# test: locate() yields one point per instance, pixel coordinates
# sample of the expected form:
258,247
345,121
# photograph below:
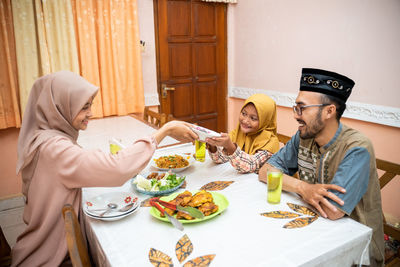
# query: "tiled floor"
125,128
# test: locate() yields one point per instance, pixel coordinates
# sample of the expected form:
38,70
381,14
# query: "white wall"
146,28
273,40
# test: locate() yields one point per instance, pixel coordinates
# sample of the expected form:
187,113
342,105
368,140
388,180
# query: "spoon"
123,209
127,207
110,206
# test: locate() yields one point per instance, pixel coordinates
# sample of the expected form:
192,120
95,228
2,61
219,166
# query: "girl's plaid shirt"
241,161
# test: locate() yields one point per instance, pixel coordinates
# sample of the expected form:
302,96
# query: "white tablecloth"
240,236
125,129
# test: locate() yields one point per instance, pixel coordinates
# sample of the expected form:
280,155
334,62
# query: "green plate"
219,199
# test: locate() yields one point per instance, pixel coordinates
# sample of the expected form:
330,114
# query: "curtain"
109,52
45,41
221,1
9,108
85,28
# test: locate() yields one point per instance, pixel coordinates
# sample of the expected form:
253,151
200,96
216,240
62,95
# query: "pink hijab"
54,101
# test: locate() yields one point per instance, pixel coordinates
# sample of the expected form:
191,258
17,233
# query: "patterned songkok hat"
326,82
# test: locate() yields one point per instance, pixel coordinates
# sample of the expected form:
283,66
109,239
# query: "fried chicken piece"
170,211
200,198
152,175
183,215
183,199
160,176
208,208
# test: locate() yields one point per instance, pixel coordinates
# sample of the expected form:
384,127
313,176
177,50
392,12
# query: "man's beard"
313,128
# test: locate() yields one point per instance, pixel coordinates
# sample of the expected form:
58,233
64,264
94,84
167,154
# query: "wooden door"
192,61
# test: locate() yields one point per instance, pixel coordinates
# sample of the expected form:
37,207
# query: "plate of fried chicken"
209,203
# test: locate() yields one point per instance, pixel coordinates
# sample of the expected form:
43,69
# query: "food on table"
208,208
156,175
170,211
202,200
142,183
183,215
171,162
161,182
184,198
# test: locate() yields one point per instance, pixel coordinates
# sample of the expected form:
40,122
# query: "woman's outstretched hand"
179,130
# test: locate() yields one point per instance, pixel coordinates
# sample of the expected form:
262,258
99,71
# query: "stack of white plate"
94,207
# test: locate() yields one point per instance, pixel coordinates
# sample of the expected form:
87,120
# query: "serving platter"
219,199
186,156
155,193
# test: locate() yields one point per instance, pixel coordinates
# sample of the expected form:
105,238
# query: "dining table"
249,231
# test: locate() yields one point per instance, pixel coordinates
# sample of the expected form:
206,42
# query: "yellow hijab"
265,138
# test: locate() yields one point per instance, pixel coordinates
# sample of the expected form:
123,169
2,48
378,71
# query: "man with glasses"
336,164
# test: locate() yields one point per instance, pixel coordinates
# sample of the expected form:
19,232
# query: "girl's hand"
211,148
223,141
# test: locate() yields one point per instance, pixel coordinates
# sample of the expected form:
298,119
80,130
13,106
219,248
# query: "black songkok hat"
326,82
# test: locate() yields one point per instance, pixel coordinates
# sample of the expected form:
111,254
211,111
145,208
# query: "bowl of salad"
157,183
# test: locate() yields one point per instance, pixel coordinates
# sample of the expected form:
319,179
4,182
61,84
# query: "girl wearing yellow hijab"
253,141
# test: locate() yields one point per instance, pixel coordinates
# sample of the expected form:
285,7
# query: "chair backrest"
390,170
283,138
76,245
170,117
5,250
155,119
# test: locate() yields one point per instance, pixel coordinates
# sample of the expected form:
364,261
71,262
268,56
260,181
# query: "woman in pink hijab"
54,167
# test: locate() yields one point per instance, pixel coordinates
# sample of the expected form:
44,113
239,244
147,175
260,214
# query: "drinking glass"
200,150
274,184
115,146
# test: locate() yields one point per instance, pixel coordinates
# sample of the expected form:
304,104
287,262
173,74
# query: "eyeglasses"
299,109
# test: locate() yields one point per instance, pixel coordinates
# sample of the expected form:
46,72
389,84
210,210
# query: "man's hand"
317,195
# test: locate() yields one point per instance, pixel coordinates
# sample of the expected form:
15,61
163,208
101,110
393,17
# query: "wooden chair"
5,251
170,118
283,138
390,170
77,249
155,119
